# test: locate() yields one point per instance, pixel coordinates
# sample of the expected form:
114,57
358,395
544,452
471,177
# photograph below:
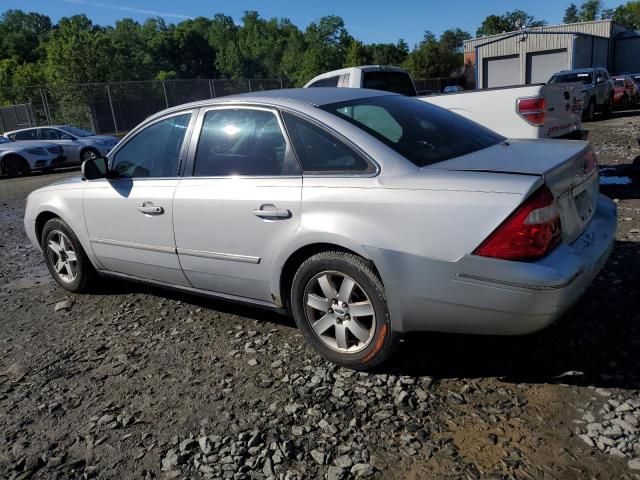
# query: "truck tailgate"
564,109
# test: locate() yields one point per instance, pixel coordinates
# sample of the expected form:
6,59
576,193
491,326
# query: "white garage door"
501,71
541,66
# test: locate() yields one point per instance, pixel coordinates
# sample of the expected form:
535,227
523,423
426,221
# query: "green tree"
590,10
571,14
357,54
628,14
509,22
23,35
435,57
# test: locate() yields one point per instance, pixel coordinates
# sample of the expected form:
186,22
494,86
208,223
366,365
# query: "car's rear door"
241,202
129,218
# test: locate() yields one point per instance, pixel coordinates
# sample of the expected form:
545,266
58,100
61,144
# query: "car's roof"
317,96
287,97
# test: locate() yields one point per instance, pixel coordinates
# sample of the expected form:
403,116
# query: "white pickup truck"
527,111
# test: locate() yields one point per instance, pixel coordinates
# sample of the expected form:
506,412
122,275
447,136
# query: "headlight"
40,152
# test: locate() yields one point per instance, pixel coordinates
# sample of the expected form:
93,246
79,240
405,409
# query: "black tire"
590,112
88,154
15,166
608,107
382,340
85,272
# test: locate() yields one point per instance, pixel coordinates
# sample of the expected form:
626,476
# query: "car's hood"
105,138
66,181
26,144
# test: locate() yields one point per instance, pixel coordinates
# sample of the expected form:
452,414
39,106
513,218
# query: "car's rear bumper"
497,297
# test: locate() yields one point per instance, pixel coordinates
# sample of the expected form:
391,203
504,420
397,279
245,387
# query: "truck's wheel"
590,112
608,107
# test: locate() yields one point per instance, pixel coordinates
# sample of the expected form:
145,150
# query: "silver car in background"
21,158
78,144
364,214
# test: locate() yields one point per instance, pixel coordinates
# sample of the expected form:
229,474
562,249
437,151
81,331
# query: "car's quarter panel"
127,240
222,244
497,297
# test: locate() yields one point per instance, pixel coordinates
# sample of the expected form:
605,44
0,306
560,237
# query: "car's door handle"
270,212
149,208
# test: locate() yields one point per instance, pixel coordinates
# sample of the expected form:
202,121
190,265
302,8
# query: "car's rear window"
389,81
423,133
584,77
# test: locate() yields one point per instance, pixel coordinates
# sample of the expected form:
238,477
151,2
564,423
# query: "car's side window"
154,152
27,135
319,151
326,82
49,134
243,142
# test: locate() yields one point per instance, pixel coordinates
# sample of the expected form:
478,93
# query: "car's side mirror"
64,136
95,168
599,80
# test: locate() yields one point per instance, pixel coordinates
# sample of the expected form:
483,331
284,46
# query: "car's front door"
241,203
129,217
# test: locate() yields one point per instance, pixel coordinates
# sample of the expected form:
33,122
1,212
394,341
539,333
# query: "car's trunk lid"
567,167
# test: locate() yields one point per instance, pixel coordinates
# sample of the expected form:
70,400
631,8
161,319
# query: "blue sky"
367,20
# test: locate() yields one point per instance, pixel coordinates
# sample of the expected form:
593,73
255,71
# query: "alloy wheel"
62,256
88,155
340,312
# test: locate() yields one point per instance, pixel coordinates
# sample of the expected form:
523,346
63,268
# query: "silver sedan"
365,215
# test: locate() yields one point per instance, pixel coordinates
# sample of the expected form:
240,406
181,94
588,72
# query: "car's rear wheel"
65,258
340,306
14,166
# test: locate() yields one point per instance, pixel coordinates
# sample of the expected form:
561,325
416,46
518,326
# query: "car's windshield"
423,133
4,139
618,82
77,132
584,77
389,81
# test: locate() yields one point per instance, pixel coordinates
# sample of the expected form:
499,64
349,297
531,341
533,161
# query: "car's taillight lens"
530,232
532,110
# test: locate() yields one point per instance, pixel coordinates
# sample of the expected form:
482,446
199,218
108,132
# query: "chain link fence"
118,107
18,116
437,85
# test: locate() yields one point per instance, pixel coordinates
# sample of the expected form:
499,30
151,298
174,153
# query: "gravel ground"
136,382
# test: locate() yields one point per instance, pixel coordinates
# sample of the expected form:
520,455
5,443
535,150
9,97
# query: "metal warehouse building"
533,55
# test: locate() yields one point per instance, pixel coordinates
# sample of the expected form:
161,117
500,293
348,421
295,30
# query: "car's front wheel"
65,258
89,154
340,306
14,166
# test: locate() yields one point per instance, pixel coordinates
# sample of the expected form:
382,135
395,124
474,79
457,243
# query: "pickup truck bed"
527,111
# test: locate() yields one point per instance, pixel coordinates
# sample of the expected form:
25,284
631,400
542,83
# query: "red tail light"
530,232
532,110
